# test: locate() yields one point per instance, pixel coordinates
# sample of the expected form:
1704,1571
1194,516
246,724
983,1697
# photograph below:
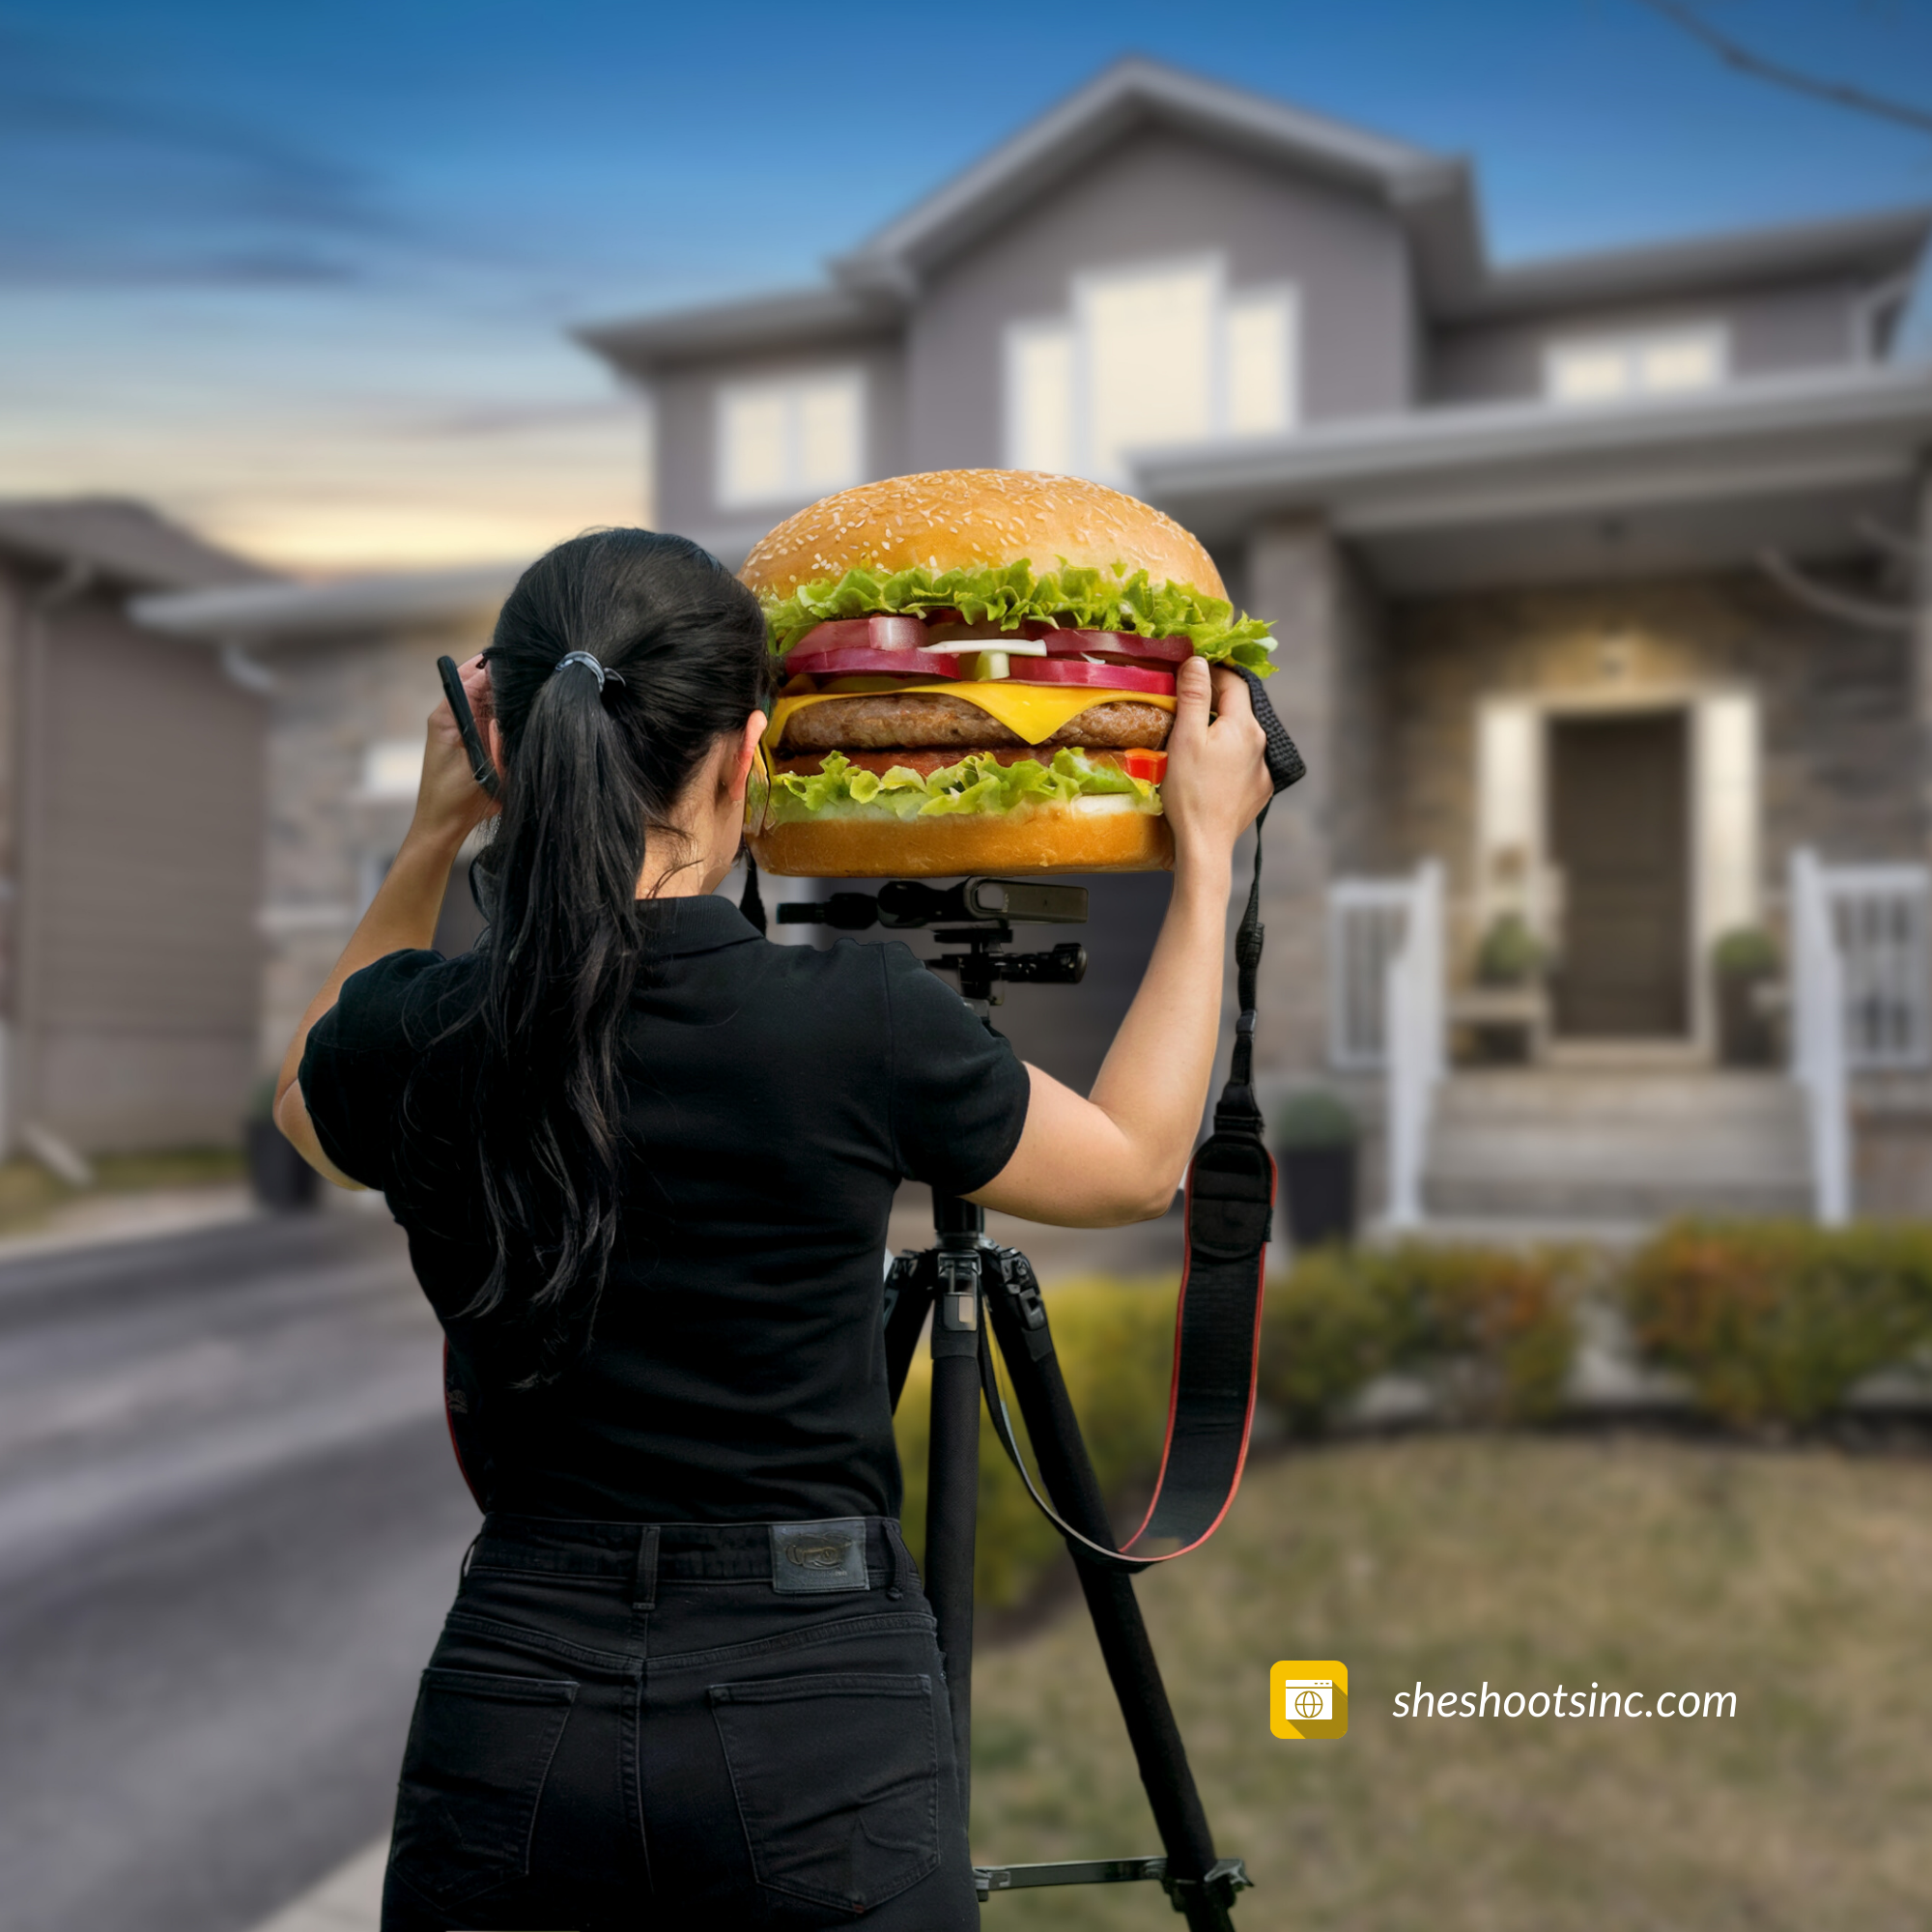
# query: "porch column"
1300,579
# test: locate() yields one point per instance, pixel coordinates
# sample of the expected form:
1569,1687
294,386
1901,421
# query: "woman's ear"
738,768
495,740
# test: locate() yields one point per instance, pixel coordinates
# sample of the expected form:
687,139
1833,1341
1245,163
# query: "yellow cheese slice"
1032,712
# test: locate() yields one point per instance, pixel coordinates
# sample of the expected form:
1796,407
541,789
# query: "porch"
1588,1135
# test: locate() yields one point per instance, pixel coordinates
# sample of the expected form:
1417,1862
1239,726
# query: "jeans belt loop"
644,1590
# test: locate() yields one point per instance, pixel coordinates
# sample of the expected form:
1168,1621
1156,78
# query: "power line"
1840,94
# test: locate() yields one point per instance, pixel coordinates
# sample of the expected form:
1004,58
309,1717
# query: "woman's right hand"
1217,779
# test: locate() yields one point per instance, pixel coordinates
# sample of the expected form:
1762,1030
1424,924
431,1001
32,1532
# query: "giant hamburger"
979,675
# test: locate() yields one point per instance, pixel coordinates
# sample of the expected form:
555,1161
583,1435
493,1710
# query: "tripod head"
977,914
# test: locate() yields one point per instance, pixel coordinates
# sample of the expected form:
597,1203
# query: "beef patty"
892,718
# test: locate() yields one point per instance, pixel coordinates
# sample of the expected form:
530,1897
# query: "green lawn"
1800,1579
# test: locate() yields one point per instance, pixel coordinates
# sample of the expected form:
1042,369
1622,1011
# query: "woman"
645,1160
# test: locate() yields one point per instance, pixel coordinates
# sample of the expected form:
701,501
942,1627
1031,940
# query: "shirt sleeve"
959,1093
359,1058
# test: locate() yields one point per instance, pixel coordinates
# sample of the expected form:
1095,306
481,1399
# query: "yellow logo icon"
1309,1699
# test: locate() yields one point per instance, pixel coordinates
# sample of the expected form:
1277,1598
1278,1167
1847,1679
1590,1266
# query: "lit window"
391,769
1150,343
780,441
1039,398
1258,398
1150,358
1660,362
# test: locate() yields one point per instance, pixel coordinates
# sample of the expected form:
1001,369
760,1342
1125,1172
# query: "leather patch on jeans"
809,1558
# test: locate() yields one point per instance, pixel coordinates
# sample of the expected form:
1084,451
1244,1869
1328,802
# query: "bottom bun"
1047,838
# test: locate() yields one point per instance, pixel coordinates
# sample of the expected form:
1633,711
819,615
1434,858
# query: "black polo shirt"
774,1096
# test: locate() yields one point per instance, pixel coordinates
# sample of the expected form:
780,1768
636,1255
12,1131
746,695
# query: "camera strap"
1230,1210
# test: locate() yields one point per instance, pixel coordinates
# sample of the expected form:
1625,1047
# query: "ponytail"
618,660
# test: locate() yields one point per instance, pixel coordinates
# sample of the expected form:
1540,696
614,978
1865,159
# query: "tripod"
977,1293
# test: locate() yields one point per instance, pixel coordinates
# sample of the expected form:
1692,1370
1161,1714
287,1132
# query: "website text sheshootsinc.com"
1563,1702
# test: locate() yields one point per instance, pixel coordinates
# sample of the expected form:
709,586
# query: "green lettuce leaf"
977,783
1009,594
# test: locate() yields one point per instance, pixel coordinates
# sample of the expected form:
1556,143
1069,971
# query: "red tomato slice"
1140,764
1102,676
834,663
879,633
1117,645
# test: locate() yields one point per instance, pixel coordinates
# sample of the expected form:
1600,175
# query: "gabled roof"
119,538
790,318
1134,94
1431,195
265,612
1859,245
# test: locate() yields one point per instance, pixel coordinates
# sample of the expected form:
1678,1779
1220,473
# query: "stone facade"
1835,706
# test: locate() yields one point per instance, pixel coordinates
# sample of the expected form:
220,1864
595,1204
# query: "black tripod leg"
953,1466
1055,1431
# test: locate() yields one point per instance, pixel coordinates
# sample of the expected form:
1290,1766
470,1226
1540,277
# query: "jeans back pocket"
473,1771
837,1775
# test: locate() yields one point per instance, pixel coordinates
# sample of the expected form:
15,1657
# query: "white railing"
1879,918
1368,919
1818,1037
1413,993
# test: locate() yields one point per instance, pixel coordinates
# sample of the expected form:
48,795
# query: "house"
1600,590
1599,585
130,802
347,671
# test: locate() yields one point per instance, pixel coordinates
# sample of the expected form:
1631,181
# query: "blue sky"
301,274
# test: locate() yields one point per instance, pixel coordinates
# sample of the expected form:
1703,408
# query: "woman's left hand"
449,803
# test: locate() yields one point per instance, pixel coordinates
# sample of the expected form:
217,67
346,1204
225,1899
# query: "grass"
29,1194
1798,1579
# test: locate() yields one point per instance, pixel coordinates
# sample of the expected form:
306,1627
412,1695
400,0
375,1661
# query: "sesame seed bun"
962,518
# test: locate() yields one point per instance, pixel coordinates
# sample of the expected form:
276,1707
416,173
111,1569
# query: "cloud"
102,179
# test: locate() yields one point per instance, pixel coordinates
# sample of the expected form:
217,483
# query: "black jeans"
646,1726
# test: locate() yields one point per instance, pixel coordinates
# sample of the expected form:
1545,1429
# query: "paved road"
229,1527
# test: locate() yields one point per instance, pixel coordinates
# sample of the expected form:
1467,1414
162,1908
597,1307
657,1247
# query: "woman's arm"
1119,1155
450,806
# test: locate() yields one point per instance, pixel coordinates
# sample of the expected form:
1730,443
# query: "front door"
1619,835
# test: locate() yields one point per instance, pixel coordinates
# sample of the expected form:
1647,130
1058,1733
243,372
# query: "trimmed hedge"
1770,1323
1775,1322
1492,1328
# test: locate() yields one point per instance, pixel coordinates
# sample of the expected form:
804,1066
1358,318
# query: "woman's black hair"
592,768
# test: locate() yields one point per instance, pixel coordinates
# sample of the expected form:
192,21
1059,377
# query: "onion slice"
1118,646
879,633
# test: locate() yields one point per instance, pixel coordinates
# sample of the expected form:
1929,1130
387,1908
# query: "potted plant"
1509,960
1745,967
1315,1138
281,1179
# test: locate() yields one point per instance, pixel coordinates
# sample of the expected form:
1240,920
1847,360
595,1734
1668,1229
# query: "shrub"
1775,1322
1510,955
1324,1336
1493,1327
1314,1118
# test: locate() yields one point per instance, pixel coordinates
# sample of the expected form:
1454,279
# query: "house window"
1657,362
1148,358
782,441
